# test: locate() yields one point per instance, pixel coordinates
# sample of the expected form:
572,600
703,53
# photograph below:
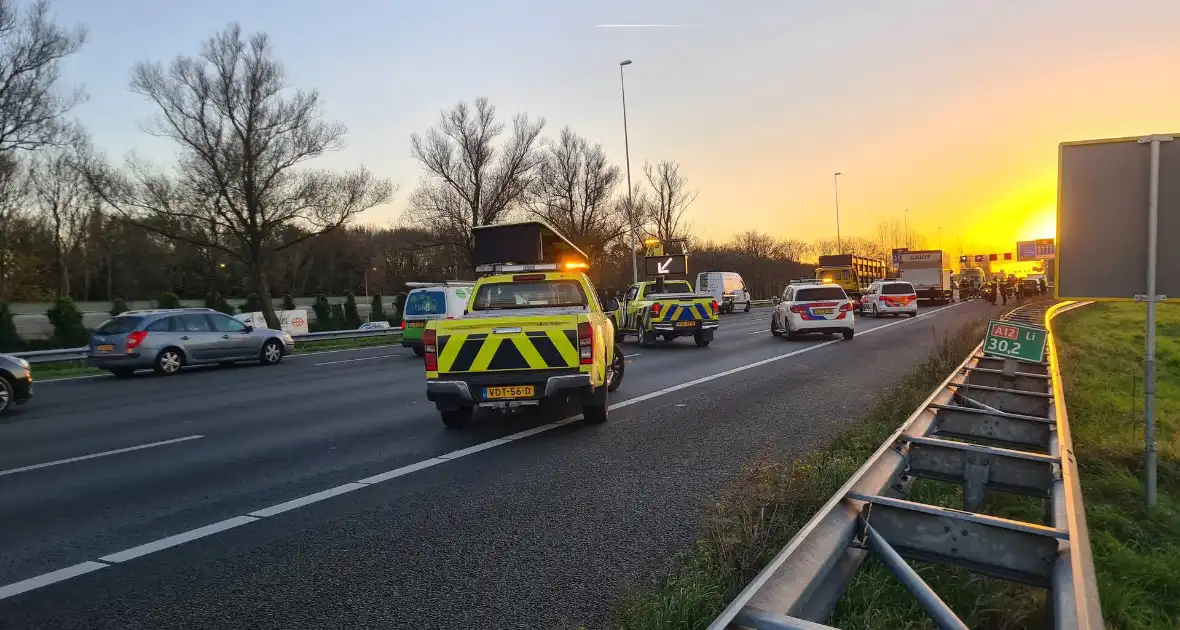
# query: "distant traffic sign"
666,265
1015,341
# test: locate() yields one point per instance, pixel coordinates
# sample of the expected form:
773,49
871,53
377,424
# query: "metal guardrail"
64,355
994,425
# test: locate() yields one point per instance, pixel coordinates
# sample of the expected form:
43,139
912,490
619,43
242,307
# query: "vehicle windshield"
836,275
506,295
673,286
119,325
897,288
426,303
820,293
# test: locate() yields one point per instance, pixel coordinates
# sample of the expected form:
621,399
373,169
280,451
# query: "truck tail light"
585,343
716,308
430,353
135,338
655,310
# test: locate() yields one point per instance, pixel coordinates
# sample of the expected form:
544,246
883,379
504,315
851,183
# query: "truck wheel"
595,408
702,338
419,350
618,337
456,418
617,367
647,339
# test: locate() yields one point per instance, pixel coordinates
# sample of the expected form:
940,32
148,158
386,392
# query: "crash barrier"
76,354
994,425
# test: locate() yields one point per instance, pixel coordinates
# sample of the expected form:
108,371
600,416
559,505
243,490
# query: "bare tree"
65,200
671,198
572,192
242,138
14,192
471,179
32,47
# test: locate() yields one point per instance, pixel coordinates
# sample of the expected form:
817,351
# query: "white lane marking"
759,332
307,500
383,356
46,579
628,356
179,539
172,541
59,462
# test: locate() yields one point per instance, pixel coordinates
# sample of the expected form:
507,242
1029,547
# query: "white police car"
890,297
810,306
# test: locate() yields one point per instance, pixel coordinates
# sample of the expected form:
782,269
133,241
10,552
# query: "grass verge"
749,524
50,371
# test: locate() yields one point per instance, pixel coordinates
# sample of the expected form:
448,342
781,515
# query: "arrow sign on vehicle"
664,267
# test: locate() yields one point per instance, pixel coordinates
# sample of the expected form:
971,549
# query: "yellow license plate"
686,324
511,391
824,311
417,324
106,348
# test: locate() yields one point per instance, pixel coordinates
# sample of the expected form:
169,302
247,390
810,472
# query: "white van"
727,287
428,301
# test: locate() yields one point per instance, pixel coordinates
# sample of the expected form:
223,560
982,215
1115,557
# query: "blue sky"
952,109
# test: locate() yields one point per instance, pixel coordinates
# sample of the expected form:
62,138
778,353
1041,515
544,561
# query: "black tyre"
7,394
647,339
169,362
272,352
618,337
617,367
848,334
122,372
456,418
790,334
774,328
420,351
912,314
595,409
702,339
747,306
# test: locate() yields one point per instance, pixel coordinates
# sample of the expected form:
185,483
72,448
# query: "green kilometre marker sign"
1015,341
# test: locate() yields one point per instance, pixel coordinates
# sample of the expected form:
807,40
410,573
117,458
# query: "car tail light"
716,308
655,309
845,307
135,338
403,324
429,352
585,343
798,308
912,296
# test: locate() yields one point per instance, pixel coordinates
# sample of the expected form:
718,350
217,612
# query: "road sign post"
1119,195
1008,340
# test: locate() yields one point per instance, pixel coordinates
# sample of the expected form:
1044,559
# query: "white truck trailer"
927,271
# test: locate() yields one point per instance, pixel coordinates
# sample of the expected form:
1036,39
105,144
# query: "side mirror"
464,312
611,305
249,328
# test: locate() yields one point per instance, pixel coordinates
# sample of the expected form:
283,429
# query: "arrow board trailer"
672,265
927,271
524,243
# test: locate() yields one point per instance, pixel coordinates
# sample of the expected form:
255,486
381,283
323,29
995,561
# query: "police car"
810,306
890,297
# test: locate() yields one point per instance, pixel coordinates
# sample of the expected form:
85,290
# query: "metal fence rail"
994,425
65,355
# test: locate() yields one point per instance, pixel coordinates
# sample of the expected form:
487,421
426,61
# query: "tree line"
241,210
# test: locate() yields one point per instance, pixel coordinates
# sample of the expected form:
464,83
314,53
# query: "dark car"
16,382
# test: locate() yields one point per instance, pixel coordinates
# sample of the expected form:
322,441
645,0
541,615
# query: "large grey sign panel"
1102,219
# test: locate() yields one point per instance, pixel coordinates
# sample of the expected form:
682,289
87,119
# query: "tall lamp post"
836,184
630,204
906,216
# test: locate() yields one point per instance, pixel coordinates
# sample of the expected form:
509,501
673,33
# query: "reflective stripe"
532,350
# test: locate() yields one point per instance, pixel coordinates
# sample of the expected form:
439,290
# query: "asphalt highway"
191,501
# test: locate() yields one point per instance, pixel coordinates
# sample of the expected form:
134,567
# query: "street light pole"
836,184
907,228
630,201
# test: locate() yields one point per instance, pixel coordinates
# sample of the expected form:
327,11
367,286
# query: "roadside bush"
378,311
10,341
168,300
253,304
323,312
337,318
219,304
118,305
288,302
66,317
352,318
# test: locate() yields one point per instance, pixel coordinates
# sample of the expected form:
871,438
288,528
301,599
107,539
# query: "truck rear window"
505,295
426,303
820,293
673,286
897,288
119,325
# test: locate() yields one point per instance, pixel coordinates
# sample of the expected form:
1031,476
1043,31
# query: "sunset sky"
951,109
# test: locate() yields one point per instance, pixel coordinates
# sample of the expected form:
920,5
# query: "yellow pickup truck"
666,309
531,333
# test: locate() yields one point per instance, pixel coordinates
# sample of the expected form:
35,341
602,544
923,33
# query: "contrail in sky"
646,25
